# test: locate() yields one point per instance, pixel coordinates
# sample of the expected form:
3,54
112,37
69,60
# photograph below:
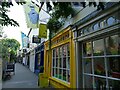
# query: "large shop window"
101,63
61,62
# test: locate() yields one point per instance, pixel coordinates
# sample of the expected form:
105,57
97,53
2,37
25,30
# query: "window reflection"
99,66
98,47
87,49
113,45
88,65
100,83
88,81
64,75
114,84
114,67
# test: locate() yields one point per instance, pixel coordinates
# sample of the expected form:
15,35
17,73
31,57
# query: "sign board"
36,39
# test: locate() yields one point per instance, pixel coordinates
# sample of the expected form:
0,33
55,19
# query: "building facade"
97,42
39,57
60,60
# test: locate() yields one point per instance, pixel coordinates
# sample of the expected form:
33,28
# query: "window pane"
87,65
56,62
60,73
56,52
53,53
64,75
68,75
64,62
64,51
98,47
88,81
68,50
113,45
68,64
56,72
99,66
114,67
53,62
60,62
87,49
114,84
100,83
53,71
60,52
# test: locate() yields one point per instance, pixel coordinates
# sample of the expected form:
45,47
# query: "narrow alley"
23,78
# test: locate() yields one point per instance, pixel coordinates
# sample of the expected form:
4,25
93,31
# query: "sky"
16,13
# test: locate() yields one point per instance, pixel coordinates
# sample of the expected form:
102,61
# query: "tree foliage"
63,10
9,47
4,18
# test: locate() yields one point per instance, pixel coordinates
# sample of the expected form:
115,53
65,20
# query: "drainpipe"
78,54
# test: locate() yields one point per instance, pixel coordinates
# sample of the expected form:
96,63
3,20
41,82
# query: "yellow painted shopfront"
59,61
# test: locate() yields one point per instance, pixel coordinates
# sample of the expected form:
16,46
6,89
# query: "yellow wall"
48,59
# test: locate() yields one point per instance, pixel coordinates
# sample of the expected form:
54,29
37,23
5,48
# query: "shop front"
60,60
39,57
97,42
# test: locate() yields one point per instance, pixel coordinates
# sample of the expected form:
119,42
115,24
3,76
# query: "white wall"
32,60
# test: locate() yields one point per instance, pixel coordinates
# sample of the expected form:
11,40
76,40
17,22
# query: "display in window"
64,75
114,84
64,62
64,51
100,83
98,47
68,75
113,64
87,49
113,45
68,63
60,74
99,66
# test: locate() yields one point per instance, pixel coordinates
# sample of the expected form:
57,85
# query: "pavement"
23,78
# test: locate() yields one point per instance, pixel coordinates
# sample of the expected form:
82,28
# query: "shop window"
113,65
110,21
113,45
99,66
62,63
103,64
98,47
